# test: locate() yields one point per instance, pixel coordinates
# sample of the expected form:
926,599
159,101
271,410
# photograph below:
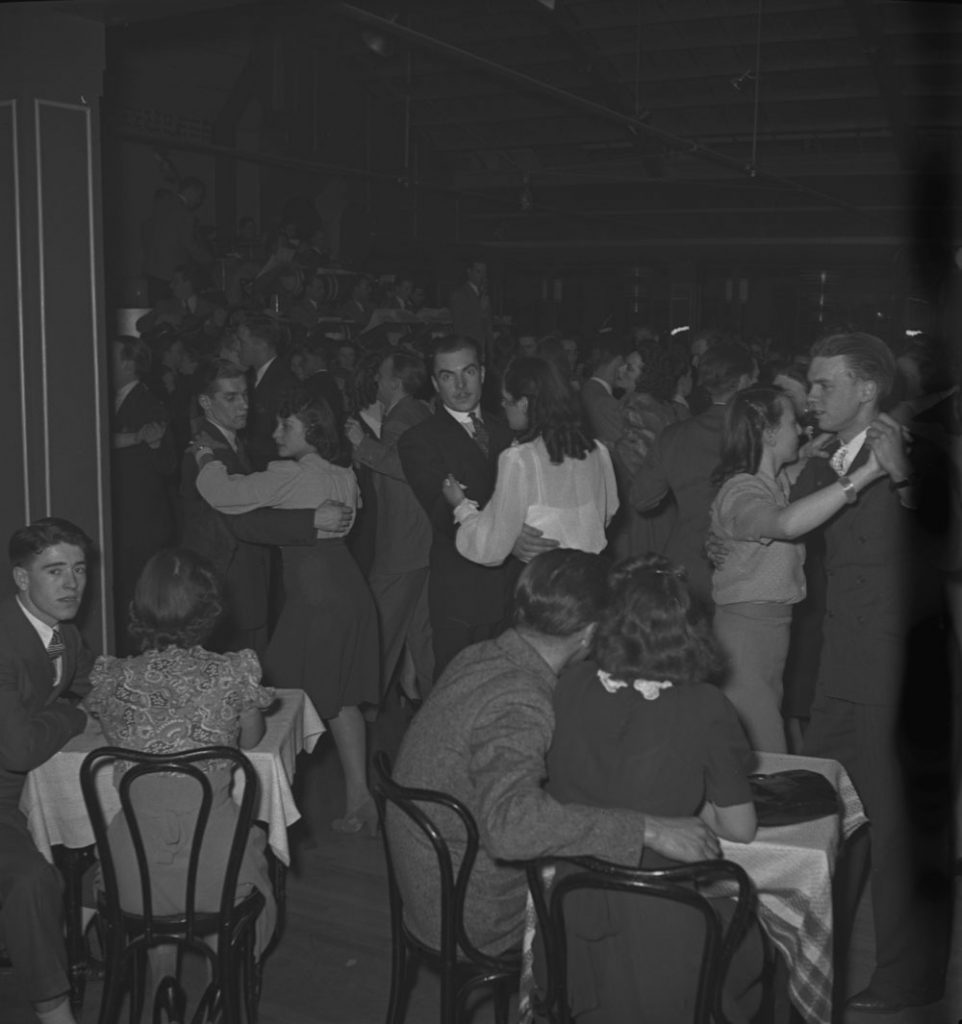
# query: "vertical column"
52,394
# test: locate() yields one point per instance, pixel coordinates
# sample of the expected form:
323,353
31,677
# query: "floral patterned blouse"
167,701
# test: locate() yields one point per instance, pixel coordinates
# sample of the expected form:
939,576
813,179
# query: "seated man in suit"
483,737
360,306
468,602
41,658
311,306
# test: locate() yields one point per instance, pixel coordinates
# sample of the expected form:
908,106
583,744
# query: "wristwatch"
851,494
898,485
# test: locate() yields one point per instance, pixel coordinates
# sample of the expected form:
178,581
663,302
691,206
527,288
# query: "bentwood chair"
553,881
463,967
222,939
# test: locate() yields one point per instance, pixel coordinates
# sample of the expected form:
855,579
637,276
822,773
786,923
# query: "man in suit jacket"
236,544
42,657
310,307
143,464
399,574
483,736
470,308
872,687
602,410
272,380
467,602
684,457
318,356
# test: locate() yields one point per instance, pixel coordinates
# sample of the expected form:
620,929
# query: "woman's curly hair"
177,601
653,628
553,411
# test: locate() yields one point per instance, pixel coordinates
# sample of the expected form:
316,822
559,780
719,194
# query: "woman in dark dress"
326,639
642,727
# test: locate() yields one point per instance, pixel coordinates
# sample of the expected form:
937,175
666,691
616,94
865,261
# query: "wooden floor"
331,965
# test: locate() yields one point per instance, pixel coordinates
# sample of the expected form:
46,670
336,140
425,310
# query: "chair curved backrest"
455,949
694,885
129,934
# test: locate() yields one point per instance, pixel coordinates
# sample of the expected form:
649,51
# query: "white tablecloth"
54,805
792,867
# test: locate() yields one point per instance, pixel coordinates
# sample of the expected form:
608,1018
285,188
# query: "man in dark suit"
468,602
602,410
41,658
310,307
143,463
399,574
874,685
272,379
682,460
318,355
470,308
236,544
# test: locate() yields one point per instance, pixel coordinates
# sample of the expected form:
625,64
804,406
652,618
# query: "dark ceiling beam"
595,64
435,89
647,242
640,213
703,108
527,83
877,52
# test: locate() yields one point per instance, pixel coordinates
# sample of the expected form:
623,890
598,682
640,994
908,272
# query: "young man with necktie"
875,684
44,666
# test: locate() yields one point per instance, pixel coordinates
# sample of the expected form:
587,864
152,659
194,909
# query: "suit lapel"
40,669
462,442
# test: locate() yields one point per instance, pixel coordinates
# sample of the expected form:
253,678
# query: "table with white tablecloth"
56,815
793,867
54,805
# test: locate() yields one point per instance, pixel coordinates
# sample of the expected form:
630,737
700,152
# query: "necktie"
837,461
481,436
56,646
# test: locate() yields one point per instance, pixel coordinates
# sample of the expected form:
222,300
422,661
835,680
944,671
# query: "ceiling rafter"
877,52
595,63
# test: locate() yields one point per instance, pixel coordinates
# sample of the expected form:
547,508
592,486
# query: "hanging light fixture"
379,43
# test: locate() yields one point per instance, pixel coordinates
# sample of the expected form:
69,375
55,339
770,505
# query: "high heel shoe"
364,818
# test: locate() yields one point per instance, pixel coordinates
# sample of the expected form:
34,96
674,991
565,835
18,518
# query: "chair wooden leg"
112,997
502,998
450,1002
400,977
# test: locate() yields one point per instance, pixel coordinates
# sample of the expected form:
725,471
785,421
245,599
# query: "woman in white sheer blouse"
555,477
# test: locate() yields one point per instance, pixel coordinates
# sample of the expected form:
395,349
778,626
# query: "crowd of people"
603,571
